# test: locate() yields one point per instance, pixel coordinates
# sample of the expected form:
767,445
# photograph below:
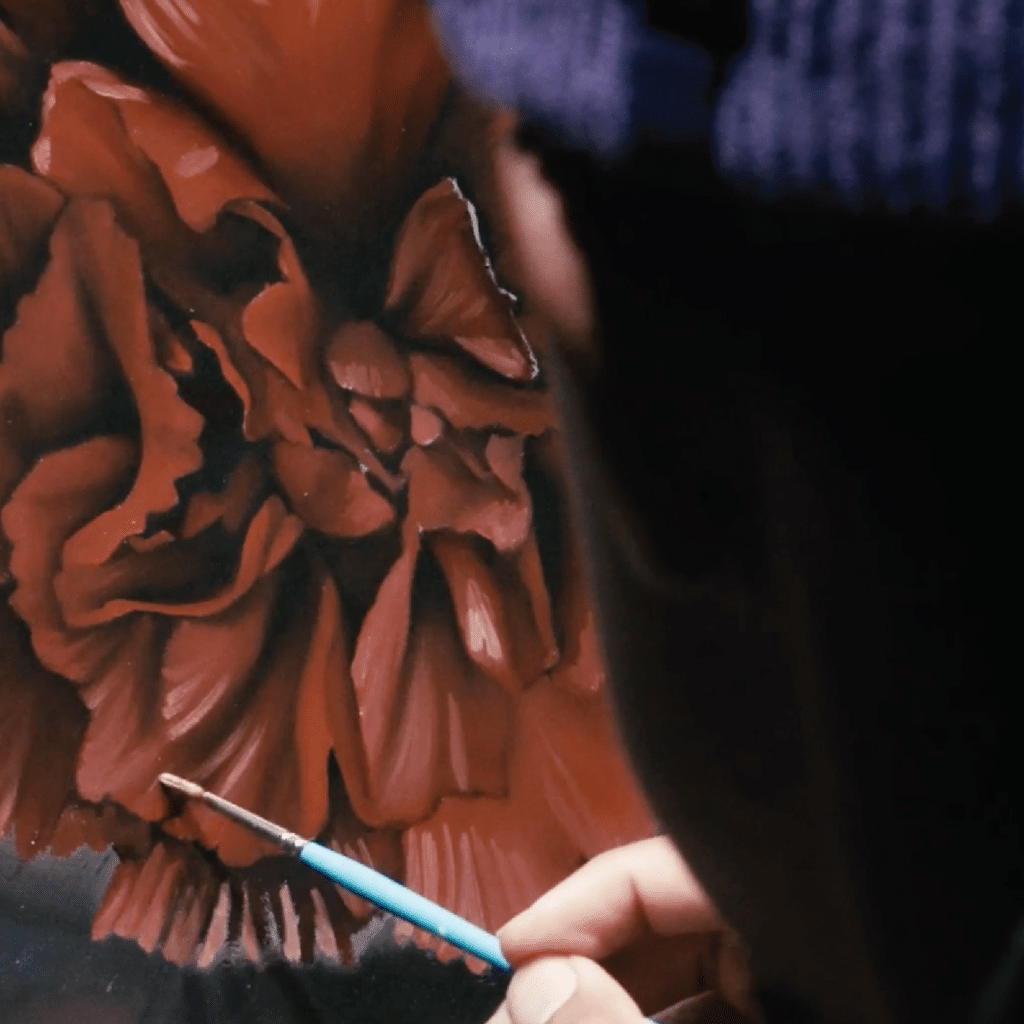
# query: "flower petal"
384,424
445,494
184,579
196,911
41,730
336,99
57,374
561,737
328,492
431,723
282,323
63,491
110,275
29,208
151,156
259,733
473,857
363,359
568,778
468,400
495,611
442,288
232,507
424,426
275,409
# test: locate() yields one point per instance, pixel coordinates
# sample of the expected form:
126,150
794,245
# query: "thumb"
566,990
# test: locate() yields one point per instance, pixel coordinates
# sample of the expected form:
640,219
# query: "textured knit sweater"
910,102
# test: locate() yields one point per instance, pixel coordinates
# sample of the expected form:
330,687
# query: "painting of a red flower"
303,545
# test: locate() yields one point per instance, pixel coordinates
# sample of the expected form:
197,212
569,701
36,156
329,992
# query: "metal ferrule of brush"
288,841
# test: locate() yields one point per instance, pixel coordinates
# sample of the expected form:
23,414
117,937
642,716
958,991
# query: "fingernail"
540,990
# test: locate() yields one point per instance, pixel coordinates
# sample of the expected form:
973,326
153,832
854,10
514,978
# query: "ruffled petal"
495,611
110,276
471,854
171,180
442,288
431,723
164,170
275,409
155,695
184,579
468,400
327,490
363,359
257,731
232,722
446,491
63,492
57,374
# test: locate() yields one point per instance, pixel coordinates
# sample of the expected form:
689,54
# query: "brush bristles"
183,786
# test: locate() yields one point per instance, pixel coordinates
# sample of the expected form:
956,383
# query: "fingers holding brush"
631,920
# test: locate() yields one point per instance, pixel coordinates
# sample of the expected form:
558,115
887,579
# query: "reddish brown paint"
264,542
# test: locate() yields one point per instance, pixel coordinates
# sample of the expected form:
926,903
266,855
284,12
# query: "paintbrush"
357,878
380,890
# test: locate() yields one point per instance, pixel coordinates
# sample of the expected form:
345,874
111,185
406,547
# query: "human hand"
630,933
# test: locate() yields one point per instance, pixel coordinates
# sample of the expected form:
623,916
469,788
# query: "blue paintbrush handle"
358,878
404,903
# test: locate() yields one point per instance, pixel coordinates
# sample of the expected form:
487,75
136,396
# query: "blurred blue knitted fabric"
910,102
588,69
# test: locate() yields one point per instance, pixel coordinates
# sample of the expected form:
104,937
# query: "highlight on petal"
431,723
196,912
363,359
258,733
85,148
103,136
425,426
495,611
384,423
470,855
442,288
471,401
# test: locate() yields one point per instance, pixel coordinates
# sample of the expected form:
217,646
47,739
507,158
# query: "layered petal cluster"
289,551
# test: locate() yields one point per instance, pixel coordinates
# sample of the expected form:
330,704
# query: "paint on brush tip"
181,785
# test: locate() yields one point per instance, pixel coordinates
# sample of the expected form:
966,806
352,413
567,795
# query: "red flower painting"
303,548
